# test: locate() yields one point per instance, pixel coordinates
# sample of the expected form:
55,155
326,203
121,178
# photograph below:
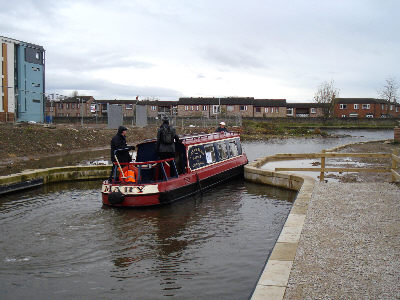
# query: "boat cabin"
194,152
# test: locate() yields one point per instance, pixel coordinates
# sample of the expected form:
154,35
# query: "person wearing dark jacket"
119,142
166,138
221,127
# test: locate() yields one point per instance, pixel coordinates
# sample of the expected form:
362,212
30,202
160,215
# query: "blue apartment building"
23,81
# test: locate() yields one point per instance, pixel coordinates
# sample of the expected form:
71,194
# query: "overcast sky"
168,49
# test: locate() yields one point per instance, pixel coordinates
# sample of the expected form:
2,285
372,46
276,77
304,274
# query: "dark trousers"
114,168
165,155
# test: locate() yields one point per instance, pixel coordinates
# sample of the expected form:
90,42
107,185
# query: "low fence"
395,163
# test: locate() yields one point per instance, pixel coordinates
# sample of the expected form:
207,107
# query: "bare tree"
390,90
326,94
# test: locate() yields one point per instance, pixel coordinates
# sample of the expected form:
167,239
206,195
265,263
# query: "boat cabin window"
206,154
222,150
210,153
233,148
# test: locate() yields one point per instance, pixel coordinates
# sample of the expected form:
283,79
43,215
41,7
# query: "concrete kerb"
30,178
274,278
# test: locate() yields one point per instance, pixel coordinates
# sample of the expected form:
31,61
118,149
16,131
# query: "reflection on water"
58,242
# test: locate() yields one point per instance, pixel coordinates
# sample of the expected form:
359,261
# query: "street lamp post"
81,104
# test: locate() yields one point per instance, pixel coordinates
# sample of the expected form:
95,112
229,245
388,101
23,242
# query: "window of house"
78,105
222,150
258,109
276,109
272,110
186,107
78,114
289,111
233,148
67,106
210,153
51,108
191,108
266,109
67,115
365,106
369,116
129,106
72,105
204,107
216,109
355,106
383,106
230,108
391,107
35,84
35,69
243,107
37,55
197,107
343,116
153,107
313,110
343,106
397,109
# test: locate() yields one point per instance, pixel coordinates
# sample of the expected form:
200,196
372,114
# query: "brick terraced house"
71,107
305,110
232,106
365,108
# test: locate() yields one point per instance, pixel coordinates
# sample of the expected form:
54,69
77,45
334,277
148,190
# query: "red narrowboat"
201,162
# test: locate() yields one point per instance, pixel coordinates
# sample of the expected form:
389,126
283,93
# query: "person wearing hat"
222,127
118,142
166,138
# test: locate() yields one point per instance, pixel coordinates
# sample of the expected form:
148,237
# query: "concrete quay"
340,241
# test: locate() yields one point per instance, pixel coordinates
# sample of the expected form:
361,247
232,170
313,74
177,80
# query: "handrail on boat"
154,163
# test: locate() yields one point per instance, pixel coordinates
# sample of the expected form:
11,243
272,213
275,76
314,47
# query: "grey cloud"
105,89
233,58
88,62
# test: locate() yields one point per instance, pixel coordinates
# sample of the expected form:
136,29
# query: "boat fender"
115,198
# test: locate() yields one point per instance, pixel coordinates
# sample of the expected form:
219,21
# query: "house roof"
77,99
360,101
115,101
305,105
270,102
216,101
157,102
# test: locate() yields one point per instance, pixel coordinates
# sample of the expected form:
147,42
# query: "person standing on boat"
166,138
221,127
119,142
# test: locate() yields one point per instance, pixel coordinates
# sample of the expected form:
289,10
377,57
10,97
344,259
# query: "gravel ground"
350,244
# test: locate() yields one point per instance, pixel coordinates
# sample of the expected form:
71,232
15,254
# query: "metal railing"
395,163
148,165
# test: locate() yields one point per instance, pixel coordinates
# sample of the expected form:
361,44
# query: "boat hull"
174,189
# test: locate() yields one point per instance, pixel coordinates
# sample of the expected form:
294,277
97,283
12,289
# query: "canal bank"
337,241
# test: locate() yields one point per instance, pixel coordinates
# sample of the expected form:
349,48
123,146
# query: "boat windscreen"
146,152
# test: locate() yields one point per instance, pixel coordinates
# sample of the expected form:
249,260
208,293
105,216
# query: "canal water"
59,242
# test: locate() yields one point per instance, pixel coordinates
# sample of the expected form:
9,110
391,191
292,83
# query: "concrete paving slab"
284,251
276,273
290,234
263,292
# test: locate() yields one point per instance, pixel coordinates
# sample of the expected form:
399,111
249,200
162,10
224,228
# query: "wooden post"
394,163
322,174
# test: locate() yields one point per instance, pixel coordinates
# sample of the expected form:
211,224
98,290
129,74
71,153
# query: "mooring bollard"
397,134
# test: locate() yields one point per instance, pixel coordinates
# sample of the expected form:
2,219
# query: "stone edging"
274,278
31,178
